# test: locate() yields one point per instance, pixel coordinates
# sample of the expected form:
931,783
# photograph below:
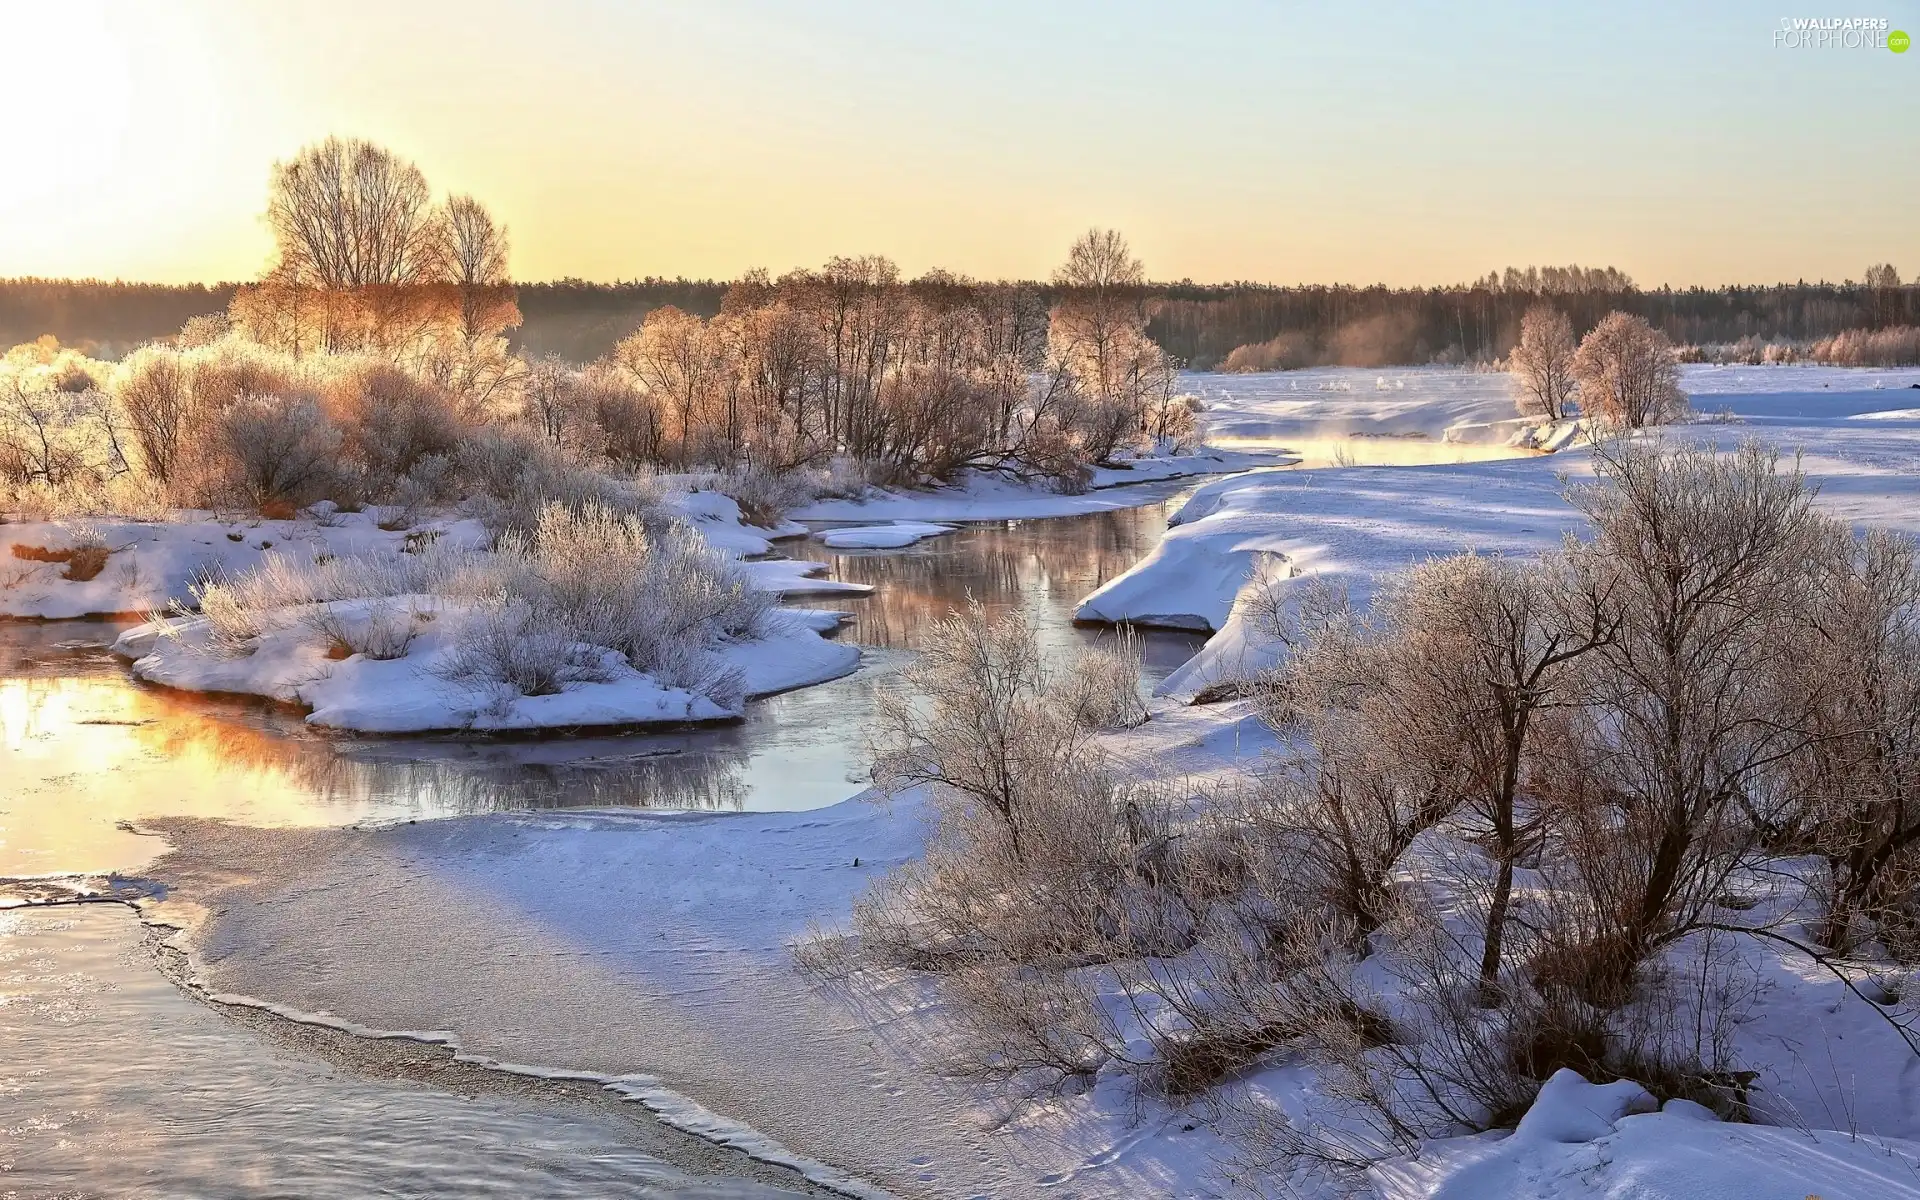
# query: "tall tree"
472,255
1542,363
347,214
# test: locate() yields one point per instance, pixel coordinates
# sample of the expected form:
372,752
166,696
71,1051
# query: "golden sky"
1230,139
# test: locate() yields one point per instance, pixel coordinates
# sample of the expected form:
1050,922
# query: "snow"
718,519
1298,406
1582,1141
409,694
659,945
891,536
1354,525
154,562
798,577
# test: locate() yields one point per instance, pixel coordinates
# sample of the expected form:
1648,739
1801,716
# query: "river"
117,1080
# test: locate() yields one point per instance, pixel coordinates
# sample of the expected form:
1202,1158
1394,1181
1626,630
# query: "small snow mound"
1569,1109
1688,1110
891,536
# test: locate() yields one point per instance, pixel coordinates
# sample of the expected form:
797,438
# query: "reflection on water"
1043,568
114,1083
88,754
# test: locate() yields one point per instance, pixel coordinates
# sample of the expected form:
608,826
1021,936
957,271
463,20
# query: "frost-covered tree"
1542,364
1628,373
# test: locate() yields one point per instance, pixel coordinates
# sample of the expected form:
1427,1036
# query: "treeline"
572,318
580,321
1283,327
371,363
101,318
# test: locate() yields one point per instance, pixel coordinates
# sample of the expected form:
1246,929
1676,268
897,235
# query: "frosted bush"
390,421
511,476
504,645
659,597
275,453
1101,685
763,496
377,629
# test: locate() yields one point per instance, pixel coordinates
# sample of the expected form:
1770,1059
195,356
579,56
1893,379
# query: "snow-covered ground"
1582,1141
660,944
410,694
150,563
892,536
1857,430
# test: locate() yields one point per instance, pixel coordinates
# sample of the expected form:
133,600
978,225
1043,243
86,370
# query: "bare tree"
1543,363
551,396
472,256
346,213
1379,767
1628,374
1883,281
1700,557
155,392
1486,645
1860,775
1100,315
679,361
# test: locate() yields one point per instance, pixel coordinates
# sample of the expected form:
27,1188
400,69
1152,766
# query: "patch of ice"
882,537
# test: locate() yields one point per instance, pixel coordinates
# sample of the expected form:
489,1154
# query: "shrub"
763,496
506,645
390,422
379,629
510,476
545,609
1898,346
155,391
277,454
1285,352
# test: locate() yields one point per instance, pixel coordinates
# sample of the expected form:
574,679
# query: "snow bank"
408,694
718,519
798,577
1267,530
1280,407
1359,523
410,688
1582,1141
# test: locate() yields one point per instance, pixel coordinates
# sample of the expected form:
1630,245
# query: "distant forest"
1201,325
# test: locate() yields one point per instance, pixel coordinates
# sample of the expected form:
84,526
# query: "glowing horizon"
1243,140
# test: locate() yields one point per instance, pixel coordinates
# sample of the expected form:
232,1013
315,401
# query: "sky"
1229,139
